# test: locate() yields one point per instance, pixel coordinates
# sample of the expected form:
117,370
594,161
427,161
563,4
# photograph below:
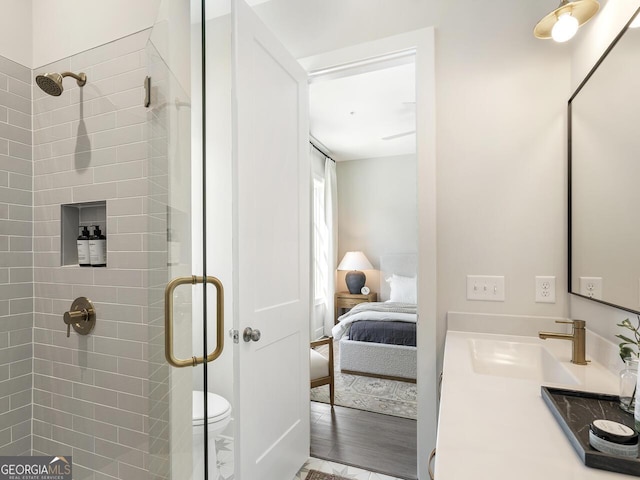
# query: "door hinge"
235,334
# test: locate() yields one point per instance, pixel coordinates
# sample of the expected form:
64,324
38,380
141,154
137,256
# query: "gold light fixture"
563,23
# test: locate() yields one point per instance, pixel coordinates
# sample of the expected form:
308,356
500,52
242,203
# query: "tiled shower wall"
91,393
16,259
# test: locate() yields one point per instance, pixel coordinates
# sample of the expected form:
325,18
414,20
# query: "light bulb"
565,28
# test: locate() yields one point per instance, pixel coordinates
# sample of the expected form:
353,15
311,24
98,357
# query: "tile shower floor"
225,465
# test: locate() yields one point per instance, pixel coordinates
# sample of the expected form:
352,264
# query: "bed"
379,339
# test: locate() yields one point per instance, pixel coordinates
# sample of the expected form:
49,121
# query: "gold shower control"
81,316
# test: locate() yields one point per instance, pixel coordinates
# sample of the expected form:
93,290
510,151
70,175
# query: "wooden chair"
322,367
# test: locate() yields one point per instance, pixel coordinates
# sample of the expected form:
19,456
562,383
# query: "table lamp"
354,262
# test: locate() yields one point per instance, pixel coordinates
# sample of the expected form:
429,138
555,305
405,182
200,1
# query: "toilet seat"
218,408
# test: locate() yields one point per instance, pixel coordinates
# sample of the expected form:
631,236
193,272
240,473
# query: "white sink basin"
528,361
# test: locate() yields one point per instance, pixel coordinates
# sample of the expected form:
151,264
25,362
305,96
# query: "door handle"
168,321
251,334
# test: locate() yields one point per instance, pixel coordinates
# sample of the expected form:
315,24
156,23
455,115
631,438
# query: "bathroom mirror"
604,177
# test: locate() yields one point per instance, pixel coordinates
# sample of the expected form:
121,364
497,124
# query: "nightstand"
346,301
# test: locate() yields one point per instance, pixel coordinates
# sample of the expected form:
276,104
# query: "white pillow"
403,289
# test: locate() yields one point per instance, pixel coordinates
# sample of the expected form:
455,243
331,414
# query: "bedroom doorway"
294,23
363,120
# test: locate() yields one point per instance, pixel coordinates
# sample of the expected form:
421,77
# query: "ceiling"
365,115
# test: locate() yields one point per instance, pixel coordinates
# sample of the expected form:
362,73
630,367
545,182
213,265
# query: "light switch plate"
485,288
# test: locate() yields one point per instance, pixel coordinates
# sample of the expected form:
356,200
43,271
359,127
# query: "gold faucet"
577,338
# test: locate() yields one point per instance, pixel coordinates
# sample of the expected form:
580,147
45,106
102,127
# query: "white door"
271,253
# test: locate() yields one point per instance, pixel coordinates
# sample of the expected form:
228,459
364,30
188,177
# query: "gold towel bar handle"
168,320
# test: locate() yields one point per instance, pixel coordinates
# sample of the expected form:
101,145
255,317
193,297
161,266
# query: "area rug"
390,397
316,475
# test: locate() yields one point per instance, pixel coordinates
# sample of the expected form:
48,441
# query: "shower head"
51,83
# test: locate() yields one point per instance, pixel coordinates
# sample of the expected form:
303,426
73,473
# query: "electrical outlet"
591,287
545,289
486,288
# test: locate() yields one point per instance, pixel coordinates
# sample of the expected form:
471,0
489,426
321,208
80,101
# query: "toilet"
219,413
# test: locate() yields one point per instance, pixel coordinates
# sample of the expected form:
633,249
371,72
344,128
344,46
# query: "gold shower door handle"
168,321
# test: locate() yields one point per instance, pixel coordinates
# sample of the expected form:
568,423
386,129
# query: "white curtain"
331,219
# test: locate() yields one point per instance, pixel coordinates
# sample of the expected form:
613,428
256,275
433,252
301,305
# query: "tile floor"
338,469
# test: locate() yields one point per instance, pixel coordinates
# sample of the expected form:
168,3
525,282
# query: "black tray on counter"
575,410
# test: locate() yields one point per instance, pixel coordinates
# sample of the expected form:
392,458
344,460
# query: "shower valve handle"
75,316
81,316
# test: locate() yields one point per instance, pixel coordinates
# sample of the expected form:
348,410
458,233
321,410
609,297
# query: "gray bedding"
375,311
391,333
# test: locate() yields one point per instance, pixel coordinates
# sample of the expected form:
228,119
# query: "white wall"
501,162
377,210
595,36
67,27
325,25
592,42
502,195
38,32
172,37
16,31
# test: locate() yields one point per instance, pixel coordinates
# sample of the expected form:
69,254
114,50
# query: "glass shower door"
120,152
179,353
191,403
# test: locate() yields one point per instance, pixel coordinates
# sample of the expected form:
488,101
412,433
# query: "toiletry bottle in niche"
98,248
83,247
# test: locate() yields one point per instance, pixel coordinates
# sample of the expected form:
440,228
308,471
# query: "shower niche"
90,217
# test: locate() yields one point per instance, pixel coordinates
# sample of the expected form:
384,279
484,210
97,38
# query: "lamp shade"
575,12
355,261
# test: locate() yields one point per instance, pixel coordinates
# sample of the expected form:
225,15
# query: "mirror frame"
569,172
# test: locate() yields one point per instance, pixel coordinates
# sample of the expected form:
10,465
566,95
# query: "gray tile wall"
91,393
16,259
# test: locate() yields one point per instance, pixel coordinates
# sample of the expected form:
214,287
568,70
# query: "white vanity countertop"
493,427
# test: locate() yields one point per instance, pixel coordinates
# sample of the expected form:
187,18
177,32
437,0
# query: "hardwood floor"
376,442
